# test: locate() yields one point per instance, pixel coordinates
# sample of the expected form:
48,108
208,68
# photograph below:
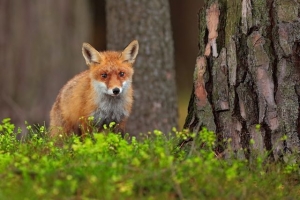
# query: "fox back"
97,96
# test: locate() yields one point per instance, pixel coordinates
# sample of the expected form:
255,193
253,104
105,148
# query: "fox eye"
104,75
121,74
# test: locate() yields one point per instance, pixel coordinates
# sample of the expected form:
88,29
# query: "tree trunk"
246,84
40,49
155,100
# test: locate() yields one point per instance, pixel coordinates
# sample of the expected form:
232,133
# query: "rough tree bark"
247,74
155,105
40,49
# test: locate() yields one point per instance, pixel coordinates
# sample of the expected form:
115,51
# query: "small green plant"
109,166
8,136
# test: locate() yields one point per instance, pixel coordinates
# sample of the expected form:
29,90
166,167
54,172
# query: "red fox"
103,92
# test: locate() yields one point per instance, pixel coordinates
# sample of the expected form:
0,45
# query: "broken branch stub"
212,22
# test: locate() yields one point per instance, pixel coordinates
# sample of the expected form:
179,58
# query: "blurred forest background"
38,55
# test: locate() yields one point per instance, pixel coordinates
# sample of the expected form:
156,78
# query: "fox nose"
116,91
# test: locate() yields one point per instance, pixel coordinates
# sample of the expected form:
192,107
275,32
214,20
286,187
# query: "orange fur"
103,92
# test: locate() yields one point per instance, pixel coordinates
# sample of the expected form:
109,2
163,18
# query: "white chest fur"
110,108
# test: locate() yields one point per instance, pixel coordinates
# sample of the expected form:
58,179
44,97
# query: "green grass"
107,166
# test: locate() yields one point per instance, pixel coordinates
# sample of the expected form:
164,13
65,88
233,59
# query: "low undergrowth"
107,166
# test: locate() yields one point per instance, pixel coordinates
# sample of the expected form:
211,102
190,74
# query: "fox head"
110,71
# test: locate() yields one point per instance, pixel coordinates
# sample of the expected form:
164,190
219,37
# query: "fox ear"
130,52
90,54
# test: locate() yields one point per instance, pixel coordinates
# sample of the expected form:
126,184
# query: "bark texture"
155,99
250,88
40,49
